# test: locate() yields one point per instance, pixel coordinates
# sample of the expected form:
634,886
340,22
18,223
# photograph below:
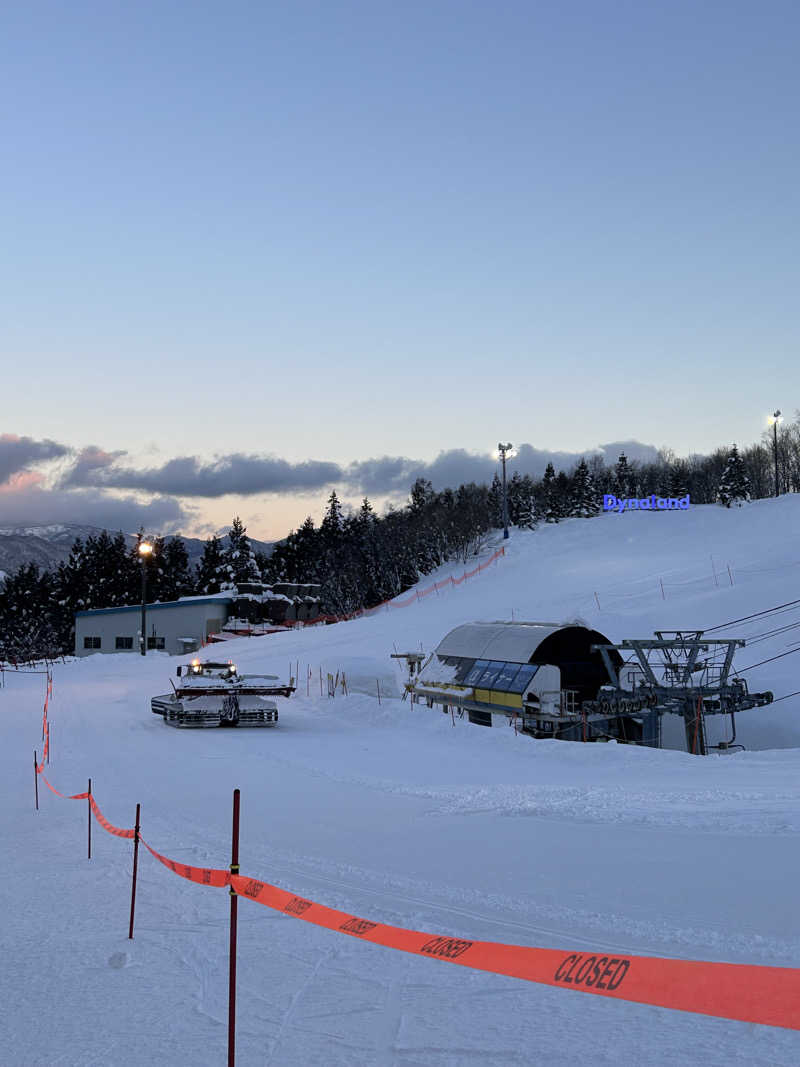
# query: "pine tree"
734,487
211,568
677,479
239,559
514,491
584,502
552,512
496,502
623,477
331,526
26,606
422,494
176,581
526,508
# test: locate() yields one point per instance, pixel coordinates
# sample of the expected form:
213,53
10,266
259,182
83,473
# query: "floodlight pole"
775,418
144,551
143,639
503,449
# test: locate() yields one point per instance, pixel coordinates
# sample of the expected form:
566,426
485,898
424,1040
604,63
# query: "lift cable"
768,634
791,651
786,697
755,615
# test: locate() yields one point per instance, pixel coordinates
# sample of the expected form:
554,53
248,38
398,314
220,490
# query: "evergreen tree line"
361,559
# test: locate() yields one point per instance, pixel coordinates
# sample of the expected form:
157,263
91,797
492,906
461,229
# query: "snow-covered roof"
512,642
157,606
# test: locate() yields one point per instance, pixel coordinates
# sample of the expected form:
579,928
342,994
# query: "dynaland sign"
645,503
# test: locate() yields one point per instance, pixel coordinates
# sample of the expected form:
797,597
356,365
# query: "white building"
177,626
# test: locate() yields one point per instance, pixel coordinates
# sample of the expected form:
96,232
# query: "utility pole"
505,450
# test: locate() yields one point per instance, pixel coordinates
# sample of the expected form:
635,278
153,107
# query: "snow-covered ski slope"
394,814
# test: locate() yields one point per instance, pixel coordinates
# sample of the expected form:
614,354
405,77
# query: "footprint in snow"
118,960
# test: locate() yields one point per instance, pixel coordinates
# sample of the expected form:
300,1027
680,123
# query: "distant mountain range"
50,545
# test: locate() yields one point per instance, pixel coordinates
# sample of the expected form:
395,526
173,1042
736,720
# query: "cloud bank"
44,481
248,475
18,454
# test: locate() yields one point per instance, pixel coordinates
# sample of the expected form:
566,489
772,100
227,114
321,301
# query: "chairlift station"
570,682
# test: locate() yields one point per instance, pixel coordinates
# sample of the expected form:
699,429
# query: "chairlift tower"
683,673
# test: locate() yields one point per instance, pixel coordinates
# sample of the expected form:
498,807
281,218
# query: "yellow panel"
503,700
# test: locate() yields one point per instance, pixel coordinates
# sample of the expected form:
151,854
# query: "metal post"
503,450
505,497
135,865
144,608
36,777
775,448
89,811
234,917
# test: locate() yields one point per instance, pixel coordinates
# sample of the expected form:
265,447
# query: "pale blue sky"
334,231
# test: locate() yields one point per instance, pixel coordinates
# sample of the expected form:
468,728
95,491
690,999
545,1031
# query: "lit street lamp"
145,550
775,419
503,451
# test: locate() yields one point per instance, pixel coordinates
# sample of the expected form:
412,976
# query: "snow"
392,812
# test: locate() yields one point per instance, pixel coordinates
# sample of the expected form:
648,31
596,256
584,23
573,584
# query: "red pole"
36,777
234,916
89,812
135,865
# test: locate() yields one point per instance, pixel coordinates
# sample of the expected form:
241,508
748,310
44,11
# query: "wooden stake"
597,599
729,573
234,923
36,777
663,597
378,686
89,811
135,865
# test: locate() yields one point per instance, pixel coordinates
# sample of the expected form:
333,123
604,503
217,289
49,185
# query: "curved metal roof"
513,642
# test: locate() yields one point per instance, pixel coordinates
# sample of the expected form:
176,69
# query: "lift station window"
520,682
495,674
487,679
476,671
504,680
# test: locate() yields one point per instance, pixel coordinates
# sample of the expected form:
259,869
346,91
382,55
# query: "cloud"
26,504
88,461
19,453
189,476
249,475
391,475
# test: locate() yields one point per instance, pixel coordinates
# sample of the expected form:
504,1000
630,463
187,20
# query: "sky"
280,248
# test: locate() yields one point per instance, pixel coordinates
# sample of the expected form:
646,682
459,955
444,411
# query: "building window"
155,642
124,642
91,642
